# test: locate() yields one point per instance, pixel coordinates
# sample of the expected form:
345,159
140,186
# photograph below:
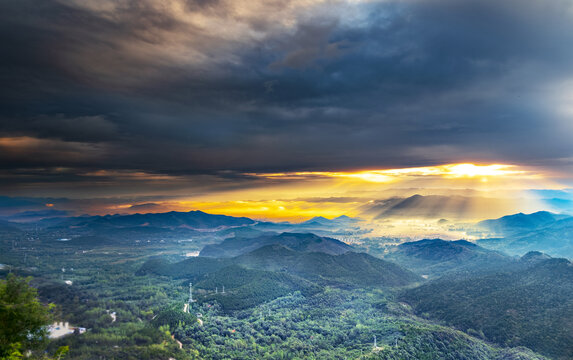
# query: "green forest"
279,303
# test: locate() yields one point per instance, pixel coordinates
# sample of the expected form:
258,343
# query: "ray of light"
452,171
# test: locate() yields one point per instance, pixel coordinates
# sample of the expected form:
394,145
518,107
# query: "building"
59,329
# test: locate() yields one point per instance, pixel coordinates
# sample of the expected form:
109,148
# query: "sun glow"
460,191
284,210
471,170
449,171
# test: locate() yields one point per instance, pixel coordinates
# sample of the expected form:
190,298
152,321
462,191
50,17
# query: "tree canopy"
23,318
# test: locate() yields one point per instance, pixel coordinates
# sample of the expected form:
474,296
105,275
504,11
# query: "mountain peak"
535,256
296,241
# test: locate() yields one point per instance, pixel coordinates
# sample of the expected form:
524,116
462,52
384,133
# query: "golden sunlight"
284,210
471,170
450,171
462,191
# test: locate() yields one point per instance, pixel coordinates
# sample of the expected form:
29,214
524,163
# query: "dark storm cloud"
81,128
27,208
200,87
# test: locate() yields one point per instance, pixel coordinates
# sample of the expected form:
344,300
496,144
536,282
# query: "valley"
261,294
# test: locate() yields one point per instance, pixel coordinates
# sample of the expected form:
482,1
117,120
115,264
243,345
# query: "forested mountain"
320,221
170,220
286,288
555,239
295,296
526,305
520,223
298,242
436,257
350,268
245,288
274,270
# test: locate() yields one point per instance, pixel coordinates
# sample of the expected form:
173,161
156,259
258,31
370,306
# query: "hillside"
277,303
170,220
555,239
320,221
299,242
519,223
529,306
275,270
349,269
246,288
436,257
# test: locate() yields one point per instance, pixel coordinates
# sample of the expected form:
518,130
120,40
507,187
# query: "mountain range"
436,257
301,262
519,223
174,226
197,220
299,242
521,233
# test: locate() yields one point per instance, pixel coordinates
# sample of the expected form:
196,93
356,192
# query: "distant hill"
275,270
192,219
317,220
33,216
349,268
529,305
244,287
244,232
339,221
436,257
555,239
534,256
121,228
300,242
519,223
341,225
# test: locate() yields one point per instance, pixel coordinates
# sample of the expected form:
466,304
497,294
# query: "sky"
286,109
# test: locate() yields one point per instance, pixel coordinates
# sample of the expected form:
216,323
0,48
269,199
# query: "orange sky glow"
492,190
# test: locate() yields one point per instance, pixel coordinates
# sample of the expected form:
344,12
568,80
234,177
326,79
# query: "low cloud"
147,207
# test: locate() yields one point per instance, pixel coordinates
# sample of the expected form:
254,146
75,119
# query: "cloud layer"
187,88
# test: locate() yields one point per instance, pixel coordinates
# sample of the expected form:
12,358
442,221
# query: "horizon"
407,203
16,216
